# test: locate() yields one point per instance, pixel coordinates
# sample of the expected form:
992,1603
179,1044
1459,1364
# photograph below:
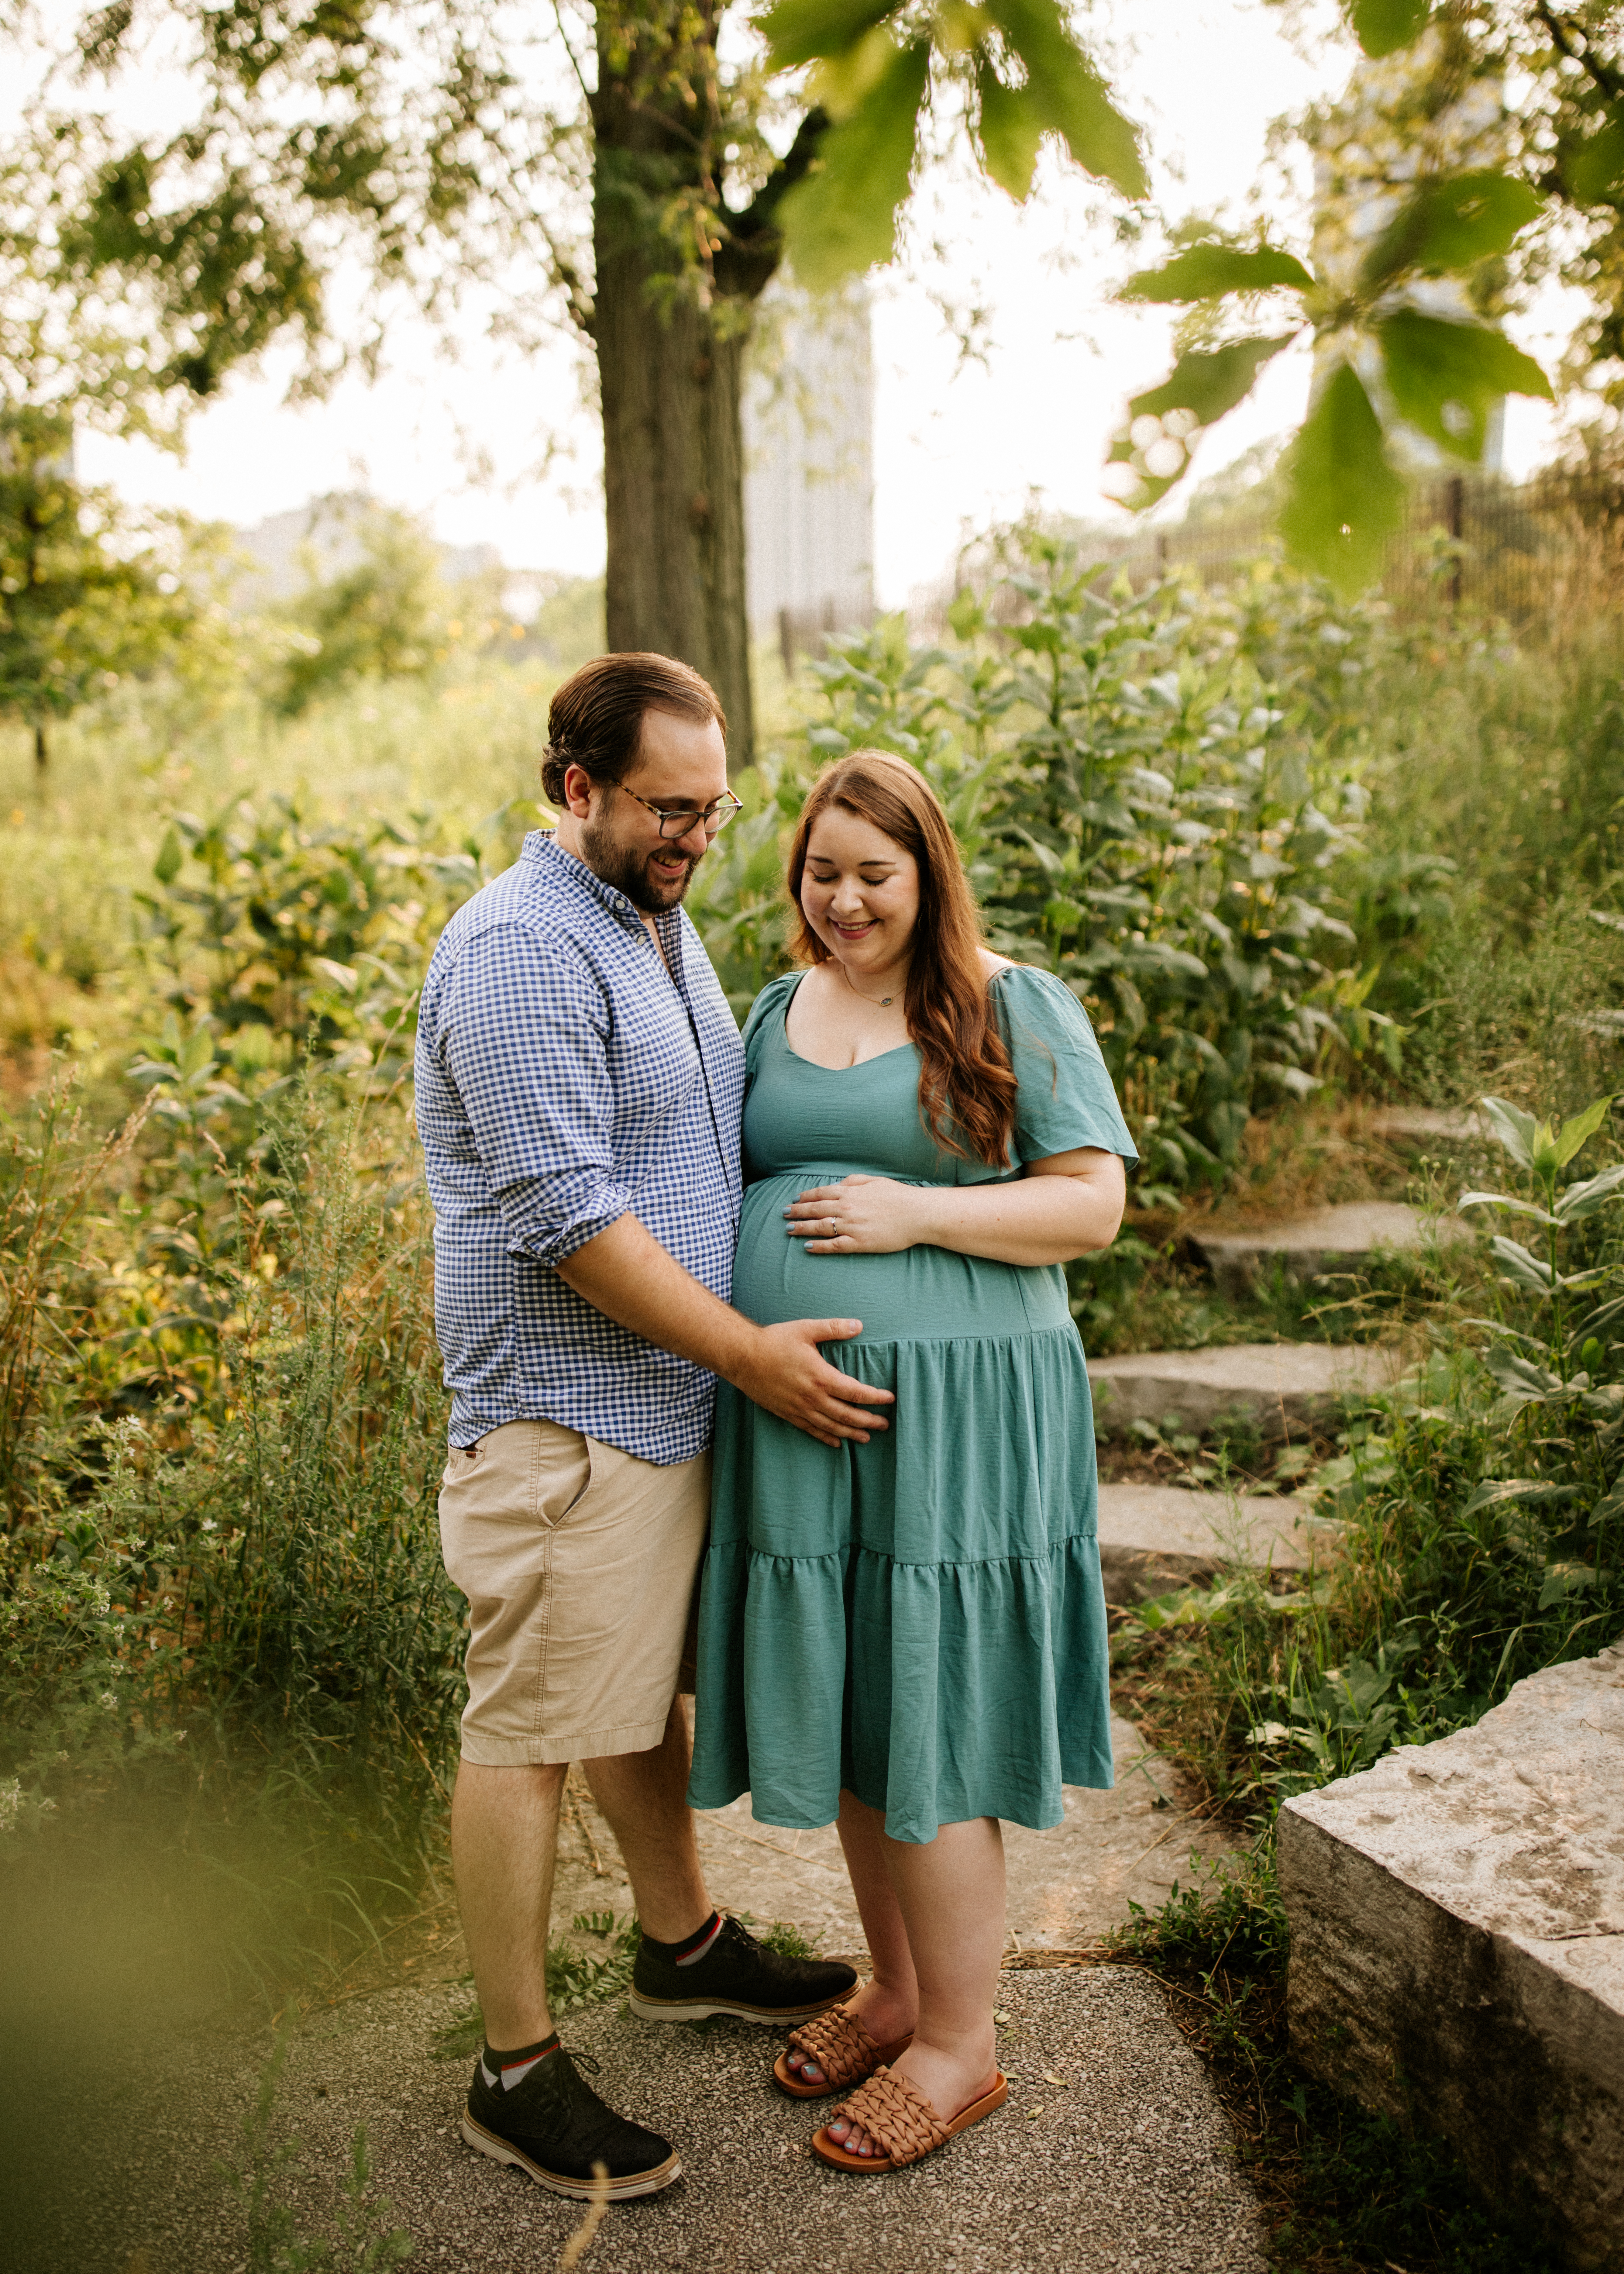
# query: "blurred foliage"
90,591
375,604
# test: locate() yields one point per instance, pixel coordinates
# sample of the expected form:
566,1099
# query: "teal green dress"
919,1619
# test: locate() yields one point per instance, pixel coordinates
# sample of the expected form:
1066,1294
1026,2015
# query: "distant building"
808,485
1431,107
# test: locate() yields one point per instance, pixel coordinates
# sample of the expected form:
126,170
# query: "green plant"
50,1175
287,934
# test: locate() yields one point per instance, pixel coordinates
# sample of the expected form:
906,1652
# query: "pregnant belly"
923,1294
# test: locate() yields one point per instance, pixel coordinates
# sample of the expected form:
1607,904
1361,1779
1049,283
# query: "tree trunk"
42,748
673,479
671,330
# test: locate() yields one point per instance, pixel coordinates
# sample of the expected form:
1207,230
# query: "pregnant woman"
906,1632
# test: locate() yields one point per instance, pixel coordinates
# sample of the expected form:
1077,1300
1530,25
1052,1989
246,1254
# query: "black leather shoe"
553,2125
737,1976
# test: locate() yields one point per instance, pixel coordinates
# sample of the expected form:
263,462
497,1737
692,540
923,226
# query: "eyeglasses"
676,821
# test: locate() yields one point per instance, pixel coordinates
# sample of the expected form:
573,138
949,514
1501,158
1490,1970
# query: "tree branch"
1563,37
753,246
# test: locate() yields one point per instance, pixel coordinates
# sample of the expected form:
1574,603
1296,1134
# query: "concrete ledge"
1279,1388
1153,1538
1329,1239
1428,1125
1457,1946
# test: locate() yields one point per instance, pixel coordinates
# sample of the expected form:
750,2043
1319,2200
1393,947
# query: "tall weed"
259,1574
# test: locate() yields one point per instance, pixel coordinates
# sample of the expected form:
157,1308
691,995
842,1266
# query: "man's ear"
578,791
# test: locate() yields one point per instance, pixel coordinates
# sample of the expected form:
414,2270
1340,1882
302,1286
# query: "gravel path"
1125,2162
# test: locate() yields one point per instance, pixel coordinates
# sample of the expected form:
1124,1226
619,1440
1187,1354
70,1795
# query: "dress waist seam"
912,1564
1065,1327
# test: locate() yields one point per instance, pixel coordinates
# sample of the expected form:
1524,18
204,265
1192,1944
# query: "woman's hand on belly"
861,1215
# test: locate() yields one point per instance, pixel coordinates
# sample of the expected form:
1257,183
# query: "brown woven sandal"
894,2113
842,2048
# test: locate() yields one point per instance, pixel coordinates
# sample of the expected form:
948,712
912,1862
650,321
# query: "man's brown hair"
595,719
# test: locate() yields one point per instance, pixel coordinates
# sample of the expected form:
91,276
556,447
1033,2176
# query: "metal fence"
1548,552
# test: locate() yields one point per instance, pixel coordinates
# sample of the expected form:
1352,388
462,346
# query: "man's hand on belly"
787,1373
625,1274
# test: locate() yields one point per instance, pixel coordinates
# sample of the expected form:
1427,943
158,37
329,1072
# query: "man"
579,1085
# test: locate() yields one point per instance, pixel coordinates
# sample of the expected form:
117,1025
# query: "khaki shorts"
579,1563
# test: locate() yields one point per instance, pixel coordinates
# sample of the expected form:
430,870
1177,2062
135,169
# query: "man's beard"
626,867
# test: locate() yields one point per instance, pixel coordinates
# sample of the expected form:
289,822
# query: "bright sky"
955,447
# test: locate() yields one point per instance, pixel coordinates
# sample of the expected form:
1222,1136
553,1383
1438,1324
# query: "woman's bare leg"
887,2004
949,1893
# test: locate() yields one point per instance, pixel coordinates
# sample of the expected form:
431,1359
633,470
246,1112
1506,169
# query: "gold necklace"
875,1002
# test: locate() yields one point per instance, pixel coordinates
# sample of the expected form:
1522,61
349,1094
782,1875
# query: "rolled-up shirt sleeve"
523,1035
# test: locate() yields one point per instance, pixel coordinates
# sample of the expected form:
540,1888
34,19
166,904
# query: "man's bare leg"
504,1837
644,1797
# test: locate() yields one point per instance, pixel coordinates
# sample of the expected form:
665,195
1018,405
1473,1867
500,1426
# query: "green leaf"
798,31
1202,271
1070,95
1594,170
842,218
1452,223
1526,1269
1516,1130
166,868
1506,1200
1576,1134
1205,383
1580,1200
1010,125
1343,499
1610,1504
1515,1489
1447,377
1210,381
1524,1383
1382,26
1562,1580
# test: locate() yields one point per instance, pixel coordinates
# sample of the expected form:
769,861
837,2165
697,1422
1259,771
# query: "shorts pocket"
565,1483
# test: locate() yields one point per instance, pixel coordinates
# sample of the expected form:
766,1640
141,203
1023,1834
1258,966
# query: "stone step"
1342,1238
1425,1125
1156,1538
1279,1388
1457,1945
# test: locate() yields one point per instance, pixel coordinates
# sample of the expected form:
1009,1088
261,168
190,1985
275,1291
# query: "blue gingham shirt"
566,1075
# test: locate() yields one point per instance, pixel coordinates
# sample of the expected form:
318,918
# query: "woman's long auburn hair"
967,1085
